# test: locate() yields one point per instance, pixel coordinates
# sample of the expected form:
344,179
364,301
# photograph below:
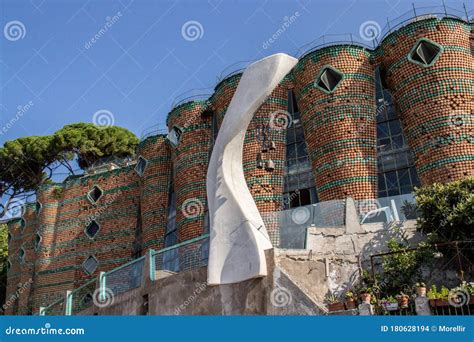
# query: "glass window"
395,127
140,166
397,142
95,194
305,197
391,178
382,130
22,255
92,229
395,164
174,136
90,264
381,179
414,177
393,192
301,149
299,180
404,177
171,237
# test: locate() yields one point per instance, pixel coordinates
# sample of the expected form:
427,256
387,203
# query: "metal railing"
154,130
233,69
123,278
334,39
445,310
184,256
387,209
425,12
57,308
288,228
82,297
415,14
181,257
190,95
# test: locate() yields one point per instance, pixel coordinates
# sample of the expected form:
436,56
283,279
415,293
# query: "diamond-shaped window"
38,206
328,79
87,299
92,229
37,240
22,224
22,254
90,265
174,136
95,194
141,165
425,52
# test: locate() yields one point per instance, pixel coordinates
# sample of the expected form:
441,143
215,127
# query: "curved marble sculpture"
238,234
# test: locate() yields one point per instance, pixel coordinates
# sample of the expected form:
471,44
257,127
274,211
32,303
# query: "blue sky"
143,61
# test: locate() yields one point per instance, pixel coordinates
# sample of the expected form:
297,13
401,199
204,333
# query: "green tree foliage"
23,162
27,162
447,210
402,267
3,261
90,142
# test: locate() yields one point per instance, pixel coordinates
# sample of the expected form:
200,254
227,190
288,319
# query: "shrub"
447,211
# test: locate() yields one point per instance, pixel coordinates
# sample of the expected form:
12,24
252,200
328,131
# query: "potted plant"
350,300
470,289
403,300
443,298
433,295
421,289
334,304
389,303
438,298
366,295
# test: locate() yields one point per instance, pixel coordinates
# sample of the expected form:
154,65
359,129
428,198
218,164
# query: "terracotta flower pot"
350,304
421,291
433,302
471,300
442,302
365,298
336,306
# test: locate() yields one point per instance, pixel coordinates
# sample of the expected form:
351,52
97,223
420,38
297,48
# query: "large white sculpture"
238,234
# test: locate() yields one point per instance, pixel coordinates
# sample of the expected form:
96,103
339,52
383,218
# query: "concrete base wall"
334,257
187,293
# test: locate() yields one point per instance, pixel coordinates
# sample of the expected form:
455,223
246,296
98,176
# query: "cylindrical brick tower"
223,93
21,258
190,158
264,154
429,67
264,145
48,197
155,152
335,89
